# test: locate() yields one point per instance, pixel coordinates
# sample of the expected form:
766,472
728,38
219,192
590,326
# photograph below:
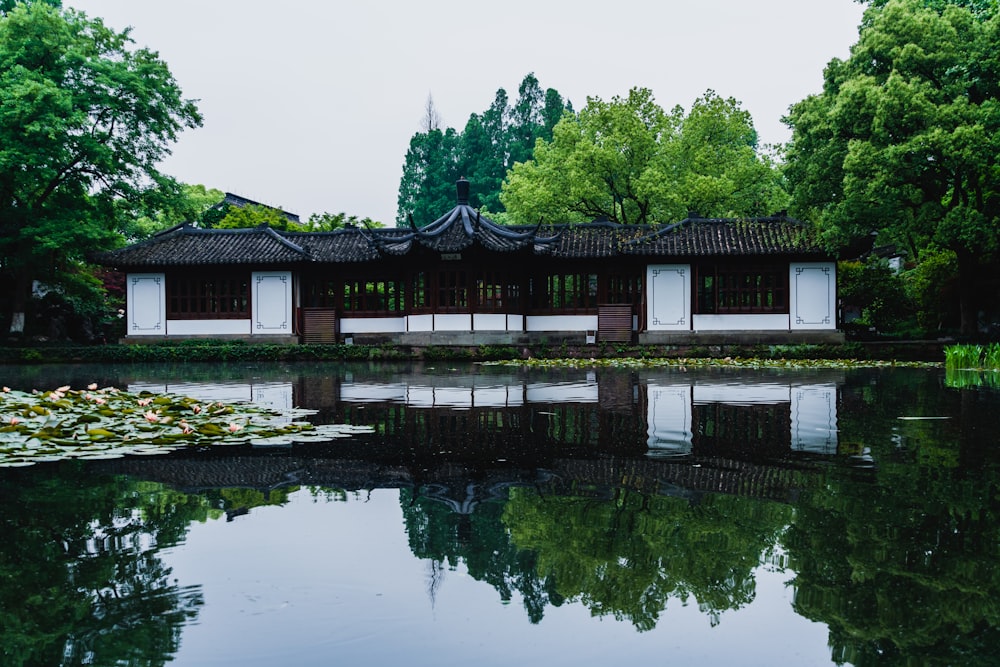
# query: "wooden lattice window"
564,293
208,297
722,289
452,292
373,296
496,292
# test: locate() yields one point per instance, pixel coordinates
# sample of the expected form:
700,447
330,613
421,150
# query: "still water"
502,516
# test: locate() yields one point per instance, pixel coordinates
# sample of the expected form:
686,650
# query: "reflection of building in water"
740,418
667,414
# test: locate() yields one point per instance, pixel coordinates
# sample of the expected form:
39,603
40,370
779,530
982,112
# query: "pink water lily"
151,417
92,386
143,402
196,409
233,427
14,421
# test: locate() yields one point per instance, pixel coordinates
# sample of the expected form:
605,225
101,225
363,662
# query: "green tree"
253,215
430,169
84,121
904,140
631,162
483,152
329,222
172,205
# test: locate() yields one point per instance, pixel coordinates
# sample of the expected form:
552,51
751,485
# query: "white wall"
561,323
353,325
668,297
668,420
208,327
272,302
741,322
145,304
489,322
813,297
814,418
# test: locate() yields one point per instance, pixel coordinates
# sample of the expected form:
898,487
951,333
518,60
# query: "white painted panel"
146,304
515,323
561,322
562,392
373,393
274,395
741,322
208,327
669,297
272,302
814,418
353,325
668,420
453,322
420,323
813,295
489,322
498,396
742,393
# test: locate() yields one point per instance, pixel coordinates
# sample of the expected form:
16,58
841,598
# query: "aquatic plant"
103,423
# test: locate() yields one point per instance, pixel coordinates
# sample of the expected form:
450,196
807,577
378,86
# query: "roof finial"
463,191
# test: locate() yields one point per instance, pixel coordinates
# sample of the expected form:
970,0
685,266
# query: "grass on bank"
207,350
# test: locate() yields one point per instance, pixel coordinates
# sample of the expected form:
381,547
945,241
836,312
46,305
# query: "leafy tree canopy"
85,119
489,145
630,161
904,140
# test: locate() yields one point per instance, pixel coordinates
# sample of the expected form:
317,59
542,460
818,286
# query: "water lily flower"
234,427
151,417
56,395
63,389
92,386
143,402
186,428
14,421
196,409
100,401
6,390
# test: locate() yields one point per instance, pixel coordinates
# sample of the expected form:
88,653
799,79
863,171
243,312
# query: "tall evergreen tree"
488,147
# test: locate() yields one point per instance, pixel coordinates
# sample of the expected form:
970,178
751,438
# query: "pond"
499,515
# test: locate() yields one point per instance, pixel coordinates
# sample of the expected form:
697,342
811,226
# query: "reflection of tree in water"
623,556
626,556
479,540
903,568
81,581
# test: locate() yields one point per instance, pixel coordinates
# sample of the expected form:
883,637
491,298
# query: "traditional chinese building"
465,280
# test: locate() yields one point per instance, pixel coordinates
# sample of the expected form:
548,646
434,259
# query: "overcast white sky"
310,105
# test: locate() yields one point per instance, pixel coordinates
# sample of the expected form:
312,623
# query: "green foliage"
253,215
84,121
489,145
932,286
903,139
328,222
629,161
172,204
876,292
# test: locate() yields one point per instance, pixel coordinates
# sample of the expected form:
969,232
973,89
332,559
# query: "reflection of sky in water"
321,583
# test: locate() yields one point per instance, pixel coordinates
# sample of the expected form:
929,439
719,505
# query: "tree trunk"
968,293
19,303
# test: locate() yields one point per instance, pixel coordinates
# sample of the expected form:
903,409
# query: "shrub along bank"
216,350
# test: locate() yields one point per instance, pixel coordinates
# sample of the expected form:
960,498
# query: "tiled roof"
185,245
699,237
462,228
